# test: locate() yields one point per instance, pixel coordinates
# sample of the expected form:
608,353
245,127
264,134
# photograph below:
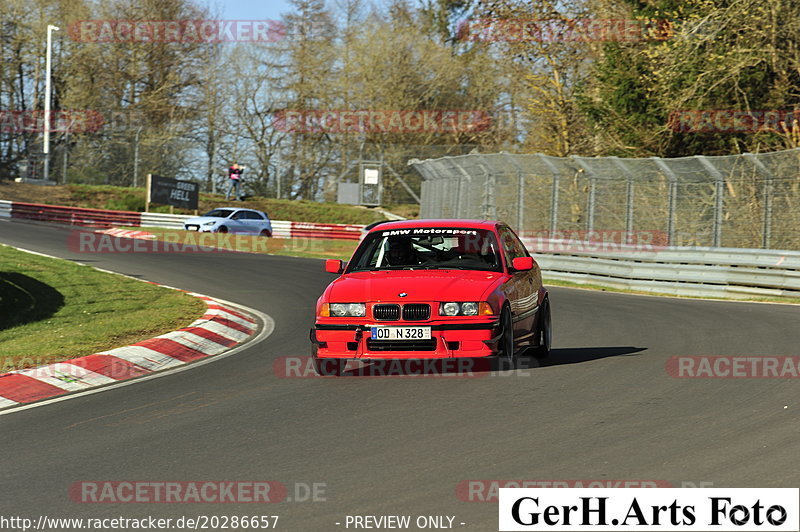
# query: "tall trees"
186,108
311,58
152,85
718,55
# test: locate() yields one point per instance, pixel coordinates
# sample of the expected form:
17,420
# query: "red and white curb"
220,329
128,233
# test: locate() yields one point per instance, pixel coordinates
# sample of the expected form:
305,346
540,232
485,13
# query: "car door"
523,287
238,222
257,222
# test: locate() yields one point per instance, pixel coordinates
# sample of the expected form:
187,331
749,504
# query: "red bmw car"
423,289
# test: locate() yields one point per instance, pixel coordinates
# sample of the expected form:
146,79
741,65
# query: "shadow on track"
576,355
466,367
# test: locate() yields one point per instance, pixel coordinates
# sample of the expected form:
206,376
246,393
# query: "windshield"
428,248
218,213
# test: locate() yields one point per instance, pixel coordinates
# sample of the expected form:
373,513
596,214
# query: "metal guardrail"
333,231
74,215
169,221
280,228
107,218
707,272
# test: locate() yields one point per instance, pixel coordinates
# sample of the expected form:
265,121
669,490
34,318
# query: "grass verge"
52,310
192,241
132,199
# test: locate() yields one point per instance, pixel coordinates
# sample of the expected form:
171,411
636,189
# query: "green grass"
52,310
317,248
406,210
132,199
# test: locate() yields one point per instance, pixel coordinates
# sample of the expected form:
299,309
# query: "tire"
507,354
329,367
222,229
544,332
265,233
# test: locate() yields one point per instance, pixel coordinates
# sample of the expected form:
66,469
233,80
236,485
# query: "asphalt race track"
604,408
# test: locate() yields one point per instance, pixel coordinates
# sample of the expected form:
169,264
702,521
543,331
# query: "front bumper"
199,228
448,340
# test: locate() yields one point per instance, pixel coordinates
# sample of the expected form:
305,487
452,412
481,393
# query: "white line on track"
268,325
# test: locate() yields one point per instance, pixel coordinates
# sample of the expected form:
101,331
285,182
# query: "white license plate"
401,333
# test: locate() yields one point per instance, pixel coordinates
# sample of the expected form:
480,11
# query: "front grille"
386,312
401,345
416,311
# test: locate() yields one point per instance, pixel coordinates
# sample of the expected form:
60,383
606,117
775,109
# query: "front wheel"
222,229
507,338
544,331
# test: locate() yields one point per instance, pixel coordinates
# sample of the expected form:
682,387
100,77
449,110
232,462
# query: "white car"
231,220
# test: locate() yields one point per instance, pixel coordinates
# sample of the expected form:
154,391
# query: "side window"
241,215
519,247
253,216
512,247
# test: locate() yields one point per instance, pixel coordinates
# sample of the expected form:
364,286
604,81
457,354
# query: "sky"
252,9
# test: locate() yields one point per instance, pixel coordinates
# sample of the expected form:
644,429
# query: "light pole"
136,158
66,153
50,29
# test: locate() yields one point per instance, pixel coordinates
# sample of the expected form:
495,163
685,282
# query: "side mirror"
522,264
334,266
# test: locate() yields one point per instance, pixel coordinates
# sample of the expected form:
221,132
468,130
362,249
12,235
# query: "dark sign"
166,191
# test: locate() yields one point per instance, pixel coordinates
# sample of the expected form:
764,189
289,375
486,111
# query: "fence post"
718,198
591,200
766,234
766,241
672,201
489,210
520,191
520,200
459,208
629,199
486,194
554,194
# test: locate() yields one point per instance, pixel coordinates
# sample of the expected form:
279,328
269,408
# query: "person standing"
235,180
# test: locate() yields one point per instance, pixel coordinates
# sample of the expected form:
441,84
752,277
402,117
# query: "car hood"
200,220
420,285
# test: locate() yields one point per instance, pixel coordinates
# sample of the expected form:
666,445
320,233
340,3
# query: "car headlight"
467,308
341,310
209,223
449,309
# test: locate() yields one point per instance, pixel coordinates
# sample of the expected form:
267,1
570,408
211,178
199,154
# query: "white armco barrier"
706,272
157,219
280,228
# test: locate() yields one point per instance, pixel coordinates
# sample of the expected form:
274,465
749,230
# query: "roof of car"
236,209
410,224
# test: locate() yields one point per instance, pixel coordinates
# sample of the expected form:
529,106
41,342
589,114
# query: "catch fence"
737,201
